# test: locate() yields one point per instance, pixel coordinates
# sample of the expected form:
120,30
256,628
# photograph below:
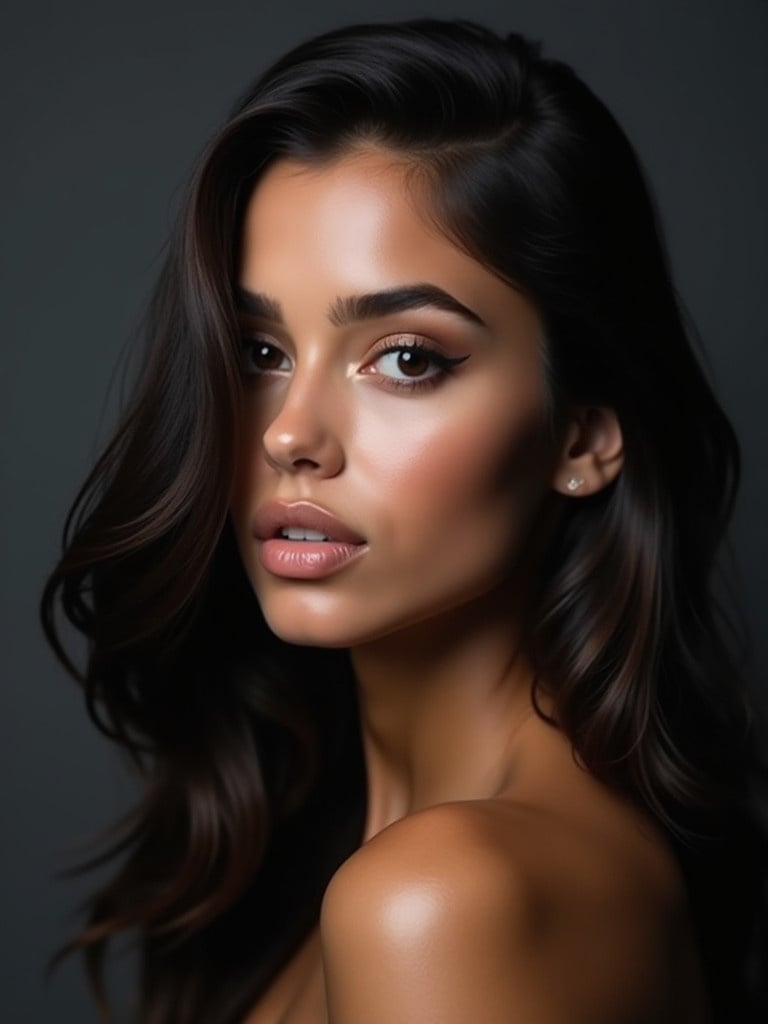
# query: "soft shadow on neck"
441,704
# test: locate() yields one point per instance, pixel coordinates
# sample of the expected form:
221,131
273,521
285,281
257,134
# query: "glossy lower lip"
307,560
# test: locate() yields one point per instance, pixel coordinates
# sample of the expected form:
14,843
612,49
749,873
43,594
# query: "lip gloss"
306,560
300,540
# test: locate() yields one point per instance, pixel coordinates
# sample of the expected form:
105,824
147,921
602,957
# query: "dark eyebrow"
368,306
256,304
396,300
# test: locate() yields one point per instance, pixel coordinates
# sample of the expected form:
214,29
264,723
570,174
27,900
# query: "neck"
442,705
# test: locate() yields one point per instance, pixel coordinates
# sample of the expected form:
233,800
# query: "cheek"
466,477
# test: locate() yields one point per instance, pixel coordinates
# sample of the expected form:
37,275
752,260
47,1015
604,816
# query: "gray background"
104,109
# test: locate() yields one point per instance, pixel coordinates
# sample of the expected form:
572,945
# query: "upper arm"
429,922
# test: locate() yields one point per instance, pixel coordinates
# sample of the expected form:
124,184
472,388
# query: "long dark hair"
254,780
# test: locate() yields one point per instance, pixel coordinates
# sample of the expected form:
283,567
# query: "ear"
592,453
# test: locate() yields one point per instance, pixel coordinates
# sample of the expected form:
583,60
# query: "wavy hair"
249,748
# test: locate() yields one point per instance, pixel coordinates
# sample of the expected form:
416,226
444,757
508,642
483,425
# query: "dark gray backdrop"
104,108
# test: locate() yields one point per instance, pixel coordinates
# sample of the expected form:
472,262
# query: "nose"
304,436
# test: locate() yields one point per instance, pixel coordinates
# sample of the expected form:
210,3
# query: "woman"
396,575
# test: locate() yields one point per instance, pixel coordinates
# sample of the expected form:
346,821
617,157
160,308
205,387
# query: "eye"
408,363
411,364
259,356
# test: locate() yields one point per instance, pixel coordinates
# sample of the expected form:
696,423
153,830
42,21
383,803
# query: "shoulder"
515,860
433,869
411,922
469,910
445,860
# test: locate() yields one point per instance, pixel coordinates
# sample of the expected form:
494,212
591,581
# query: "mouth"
303,541
302,521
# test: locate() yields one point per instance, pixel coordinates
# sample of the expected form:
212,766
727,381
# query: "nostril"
306,448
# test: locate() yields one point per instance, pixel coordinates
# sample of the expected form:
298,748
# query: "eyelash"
445,364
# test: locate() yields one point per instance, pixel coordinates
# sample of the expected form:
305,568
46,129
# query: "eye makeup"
409,362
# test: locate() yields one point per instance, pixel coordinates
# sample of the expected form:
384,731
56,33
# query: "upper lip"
274,515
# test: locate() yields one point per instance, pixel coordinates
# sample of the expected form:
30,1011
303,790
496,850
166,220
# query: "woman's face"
393,383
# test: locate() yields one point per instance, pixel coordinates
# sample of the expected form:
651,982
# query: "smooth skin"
498,882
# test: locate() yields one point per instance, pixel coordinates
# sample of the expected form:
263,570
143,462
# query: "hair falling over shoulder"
249,748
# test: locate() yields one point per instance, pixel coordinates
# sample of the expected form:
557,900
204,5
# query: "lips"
276,516
301,541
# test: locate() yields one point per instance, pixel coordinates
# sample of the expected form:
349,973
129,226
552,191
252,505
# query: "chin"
332,627
305,628
308,638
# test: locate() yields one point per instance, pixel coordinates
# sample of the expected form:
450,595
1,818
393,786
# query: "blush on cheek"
458,514
474,463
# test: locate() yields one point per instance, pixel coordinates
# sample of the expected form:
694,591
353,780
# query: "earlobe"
592,452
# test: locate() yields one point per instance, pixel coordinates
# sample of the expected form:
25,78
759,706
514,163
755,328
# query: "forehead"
358,223
355,220
362,205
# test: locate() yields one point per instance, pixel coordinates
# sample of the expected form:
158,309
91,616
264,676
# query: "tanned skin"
498,882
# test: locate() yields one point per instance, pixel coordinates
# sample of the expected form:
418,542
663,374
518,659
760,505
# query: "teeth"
297,533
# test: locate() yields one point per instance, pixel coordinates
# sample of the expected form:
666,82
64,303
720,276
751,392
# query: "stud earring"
574,484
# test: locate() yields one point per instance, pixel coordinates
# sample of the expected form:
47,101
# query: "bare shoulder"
435,867
495,911
514,857
449,852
